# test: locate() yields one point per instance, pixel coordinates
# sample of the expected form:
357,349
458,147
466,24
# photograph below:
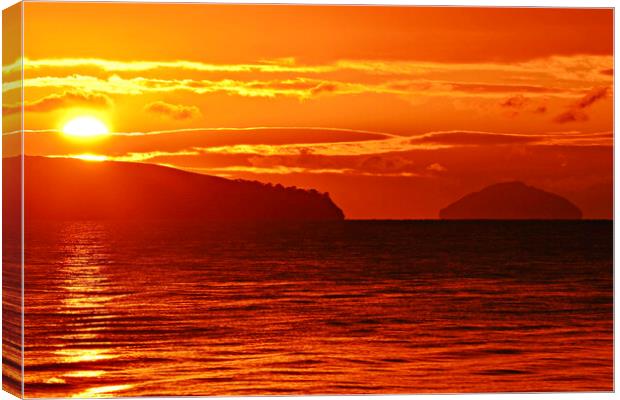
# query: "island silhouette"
511,200
73,189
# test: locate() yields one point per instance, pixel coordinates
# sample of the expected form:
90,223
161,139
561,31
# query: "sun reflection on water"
85,287
85,374
81,355
139,311
102,391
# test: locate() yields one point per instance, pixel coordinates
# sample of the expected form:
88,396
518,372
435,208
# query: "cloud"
324,87
540,109
575,67
61,100
428,141
230,140
572,115
307,81
516,105
592,96
444,87
296,87
385,164
343,148
575,112
381,165
517,101
128,157
557,77
299,87
474,138
382,155
465,138
436,167
301,142
275,170
276,66
392,156
502,88
174,111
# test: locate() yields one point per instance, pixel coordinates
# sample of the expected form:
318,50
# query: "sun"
85,127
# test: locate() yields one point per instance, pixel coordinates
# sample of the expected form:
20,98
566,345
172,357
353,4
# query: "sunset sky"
395,111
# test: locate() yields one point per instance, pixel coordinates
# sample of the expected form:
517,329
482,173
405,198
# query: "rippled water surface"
117,309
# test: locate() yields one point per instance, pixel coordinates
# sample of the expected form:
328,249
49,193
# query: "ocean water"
161,308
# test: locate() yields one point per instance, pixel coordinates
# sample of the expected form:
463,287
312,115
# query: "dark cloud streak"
575,113
61,100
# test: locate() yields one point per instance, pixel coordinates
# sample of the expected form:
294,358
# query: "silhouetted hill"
57,188
511,200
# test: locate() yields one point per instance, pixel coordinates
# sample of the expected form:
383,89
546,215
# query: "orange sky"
395,111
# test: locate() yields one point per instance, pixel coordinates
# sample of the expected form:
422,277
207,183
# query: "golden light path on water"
116,309
83,281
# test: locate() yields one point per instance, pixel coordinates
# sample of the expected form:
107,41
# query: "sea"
182,308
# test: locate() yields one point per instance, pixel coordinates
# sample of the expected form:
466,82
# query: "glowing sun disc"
85,127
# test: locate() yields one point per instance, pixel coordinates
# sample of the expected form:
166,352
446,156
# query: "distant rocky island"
71,189
511,200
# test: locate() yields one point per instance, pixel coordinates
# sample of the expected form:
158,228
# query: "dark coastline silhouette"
511,200
72,189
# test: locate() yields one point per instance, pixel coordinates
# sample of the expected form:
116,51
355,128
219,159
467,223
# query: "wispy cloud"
436,167
559,67
575,112
61,100
278,65
285,77
174,111
517,101
429,155
427,141
263,146
128,157
285,170
329,149
469,138
301,88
